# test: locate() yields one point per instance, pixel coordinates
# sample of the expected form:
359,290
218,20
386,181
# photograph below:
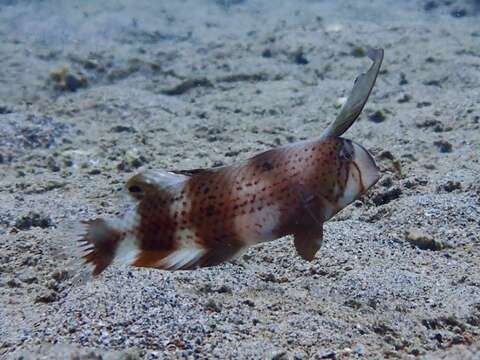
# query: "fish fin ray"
101,243
358,97
186,258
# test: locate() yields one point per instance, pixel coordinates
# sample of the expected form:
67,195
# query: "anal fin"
308,234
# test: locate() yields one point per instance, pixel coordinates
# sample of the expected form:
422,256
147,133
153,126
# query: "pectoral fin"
308,233
308,241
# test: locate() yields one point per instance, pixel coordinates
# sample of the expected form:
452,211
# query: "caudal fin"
357,98
102,242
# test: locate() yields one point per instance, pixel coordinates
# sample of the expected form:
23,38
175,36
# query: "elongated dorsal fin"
357,98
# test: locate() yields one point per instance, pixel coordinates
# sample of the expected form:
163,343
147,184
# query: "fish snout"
365,165
363,173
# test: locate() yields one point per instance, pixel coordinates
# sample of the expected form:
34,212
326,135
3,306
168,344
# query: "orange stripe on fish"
203,217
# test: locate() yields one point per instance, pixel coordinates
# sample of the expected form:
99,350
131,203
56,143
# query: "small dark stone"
299,57
33,219
249,303
94,172
29,279
386,182
458,339
354,304
358,52
60,275
268,277
404,99
450,186
187,85
415,352
422,104
281,355
430,5
218,163
123,128
431,123
232,153
52,165
438,337
437,83
382,329
377,117
211,305
72,83
224,289
5,110
328,355
443,145
459,13
386,196
267,53
47,297
423,240
131,163
13,283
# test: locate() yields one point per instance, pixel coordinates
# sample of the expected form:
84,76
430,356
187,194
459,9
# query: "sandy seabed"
91,92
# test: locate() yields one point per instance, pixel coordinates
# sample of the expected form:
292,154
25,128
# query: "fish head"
351,172
361,172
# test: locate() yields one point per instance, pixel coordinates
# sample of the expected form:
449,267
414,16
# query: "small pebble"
385,197
299,57
33,219
459,13
358,52
422,240
334,28
13,283
403,79
404,99
267,53
430,5
377,117
46,297
450,186
123,128
211,305
327,355
443,146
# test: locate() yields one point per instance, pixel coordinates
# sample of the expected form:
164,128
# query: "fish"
188,219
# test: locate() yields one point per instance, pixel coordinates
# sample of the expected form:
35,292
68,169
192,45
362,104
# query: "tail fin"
357,98
102,242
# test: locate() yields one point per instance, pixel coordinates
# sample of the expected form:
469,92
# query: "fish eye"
135,189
